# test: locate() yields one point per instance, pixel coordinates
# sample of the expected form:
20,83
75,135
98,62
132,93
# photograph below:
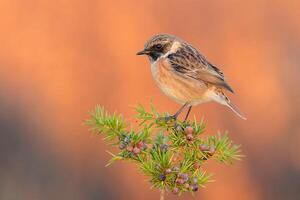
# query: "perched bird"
183,74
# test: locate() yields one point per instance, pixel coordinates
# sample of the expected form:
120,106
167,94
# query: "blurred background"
60,58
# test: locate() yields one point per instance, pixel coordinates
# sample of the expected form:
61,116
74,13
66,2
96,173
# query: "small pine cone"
127,139
180,181
195,180
189,137
203,147
136,150
140,145
175,190
189,130
212,150
176,169
122,146
168,171
178,128
184,176
164,147
162,177
194,188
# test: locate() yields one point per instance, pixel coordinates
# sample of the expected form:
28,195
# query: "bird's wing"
188,62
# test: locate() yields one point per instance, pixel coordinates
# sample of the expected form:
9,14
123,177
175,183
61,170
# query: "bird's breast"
180,88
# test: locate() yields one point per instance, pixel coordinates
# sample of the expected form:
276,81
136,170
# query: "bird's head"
158,46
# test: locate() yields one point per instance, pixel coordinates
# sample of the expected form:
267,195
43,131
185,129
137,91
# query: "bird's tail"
221,98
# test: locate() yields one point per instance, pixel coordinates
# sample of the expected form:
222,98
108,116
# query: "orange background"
60,58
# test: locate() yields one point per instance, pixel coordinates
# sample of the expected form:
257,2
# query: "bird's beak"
143,52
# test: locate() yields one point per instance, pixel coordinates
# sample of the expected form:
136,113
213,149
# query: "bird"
185,75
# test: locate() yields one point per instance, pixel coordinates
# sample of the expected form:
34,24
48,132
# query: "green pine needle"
171,157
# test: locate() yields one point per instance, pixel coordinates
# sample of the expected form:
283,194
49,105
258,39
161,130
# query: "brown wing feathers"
188,62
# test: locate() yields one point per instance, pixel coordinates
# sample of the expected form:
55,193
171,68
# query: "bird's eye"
158,47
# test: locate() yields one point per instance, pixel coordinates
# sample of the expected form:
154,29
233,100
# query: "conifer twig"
171,154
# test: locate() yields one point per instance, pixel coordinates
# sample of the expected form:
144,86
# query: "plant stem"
162,194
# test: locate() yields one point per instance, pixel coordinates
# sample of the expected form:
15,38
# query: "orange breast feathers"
180,88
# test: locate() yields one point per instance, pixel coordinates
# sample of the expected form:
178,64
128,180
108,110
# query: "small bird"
183,74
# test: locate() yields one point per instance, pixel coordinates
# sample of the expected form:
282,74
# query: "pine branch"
103,123
171,154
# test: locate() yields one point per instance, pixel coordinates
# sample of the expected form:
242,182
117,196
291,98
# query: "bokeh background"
59,58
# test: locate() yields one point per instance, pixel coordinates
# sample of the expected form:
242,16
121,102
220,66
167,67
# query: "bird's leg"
187,114
174,117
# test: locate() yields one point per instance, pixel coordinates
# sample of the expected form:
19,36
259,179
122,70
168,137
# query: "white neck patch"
175,46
